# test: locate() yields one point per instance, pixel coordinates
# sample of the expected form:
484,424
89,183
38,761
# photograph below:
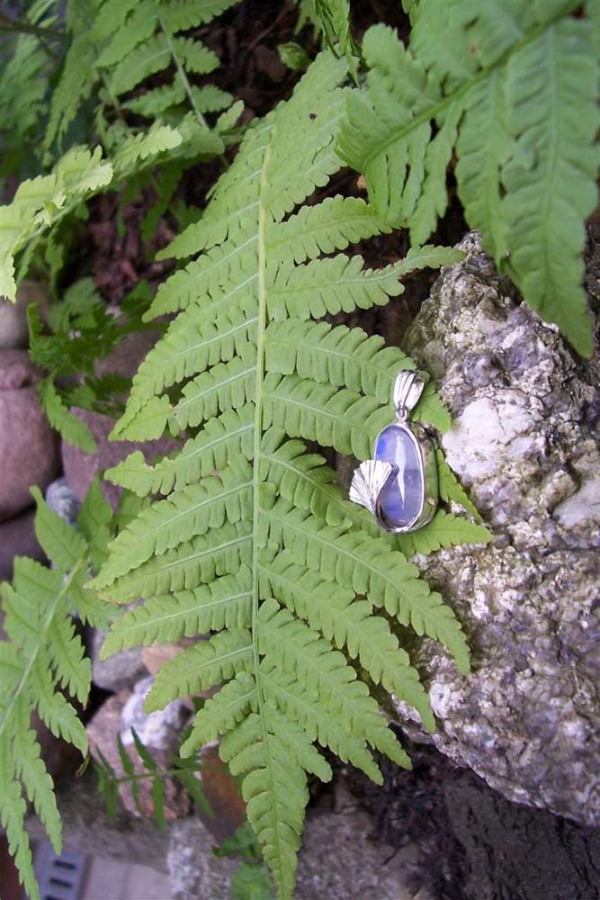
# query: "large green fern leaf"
512,89
254,540
42,657
118,45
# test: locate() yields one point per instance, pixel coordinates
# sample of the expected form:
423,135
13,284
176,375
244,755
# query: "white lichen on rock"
525,442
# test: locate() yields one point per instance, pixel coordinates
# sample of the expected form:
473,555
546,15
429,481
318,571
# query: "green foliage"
251,880
253,540
244,535
511,90
43,663
114,47
23,84
41,203
84,332
139,767
332,18
121,43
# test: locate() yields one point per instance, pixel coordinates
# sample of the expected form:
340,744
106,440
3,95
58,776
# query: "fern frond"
119,45
191,345
221,439
551,113
275,790
309,658
512,90
63,420
200,507
222,712
76,81
23,89
200,667
361,564
346,357
332,225
140,147
451,489
444,531
329,286
40,202
225,602
41,655
332,417
255,543
185,566
292,698
348,624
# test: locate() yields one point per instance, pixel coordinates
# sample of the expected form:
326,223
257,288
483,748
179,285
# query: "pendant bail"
408,388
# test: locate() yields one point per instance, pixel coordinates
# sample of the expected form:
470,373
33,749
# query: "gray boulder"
81,468
121,670
525,442
17,538
339,859
14,332
28,446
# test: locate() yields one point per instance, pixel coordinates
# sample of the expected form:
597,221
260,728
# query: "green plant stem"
18,25
182,74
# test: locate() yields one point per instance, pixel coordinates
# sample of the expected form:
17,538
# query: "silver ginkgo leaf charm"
368,482
400,484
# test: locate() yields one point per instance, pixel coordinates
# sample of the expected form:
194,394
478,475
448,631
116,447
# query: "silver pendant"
400,485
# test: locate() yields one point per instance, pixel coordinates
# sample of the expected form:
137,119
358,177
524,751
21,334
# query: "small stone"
401,500
80,468
17,538
14,333
63,501
223,794
118,672
28,445
159,732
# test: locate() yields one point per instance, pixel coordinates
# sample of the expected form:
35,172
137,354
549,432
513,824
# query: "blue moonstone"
401,499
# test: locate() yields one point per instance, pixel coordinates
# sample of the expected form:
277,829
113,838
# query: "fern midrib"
181,72
398,134
553,155
258,428
42,639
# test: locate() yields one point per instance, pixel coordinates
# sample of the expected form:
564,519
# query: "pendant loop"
407,391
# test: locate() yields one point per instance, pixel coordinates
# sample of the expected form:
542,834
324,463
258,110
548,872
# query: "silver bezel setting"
373,475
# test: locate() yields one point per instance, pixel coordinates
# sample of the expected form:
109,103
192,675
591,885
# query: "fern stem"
258,428
112,97
258,400
182,74
18,25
